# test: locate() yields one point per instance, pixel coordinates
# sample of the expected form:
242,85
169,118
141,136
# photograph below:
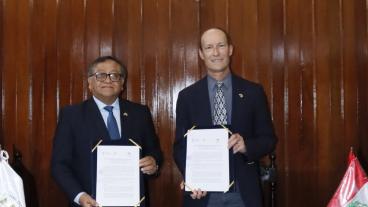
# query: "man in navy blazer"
80,127
247,116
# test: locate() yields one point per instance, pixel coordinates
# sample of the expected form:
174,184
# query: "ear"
122,84
89,84
231,50
201,54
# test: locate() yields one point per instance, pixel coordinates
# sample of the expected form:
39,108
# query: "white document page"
117,177
207,164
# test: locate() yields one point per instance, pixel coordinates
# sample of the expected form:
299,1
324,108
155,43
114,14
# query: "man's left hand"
236,142
148,165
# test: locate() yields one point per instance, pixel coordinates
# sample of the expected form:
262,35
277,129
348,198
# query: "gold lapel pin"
241,95
125,114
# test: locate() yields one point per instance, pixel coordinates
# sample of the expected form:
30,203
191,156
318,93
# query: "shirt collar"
101,105
212,82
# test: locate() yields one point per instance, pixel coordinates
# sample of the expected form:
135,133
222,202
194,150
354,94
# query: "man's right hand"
196,193
87,201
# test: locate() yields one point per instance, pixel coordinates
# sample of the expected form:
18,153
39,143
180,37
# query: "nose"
108,79
215,51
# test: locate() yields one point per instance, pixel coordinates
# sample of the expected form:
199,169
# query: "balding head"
215,51
211,31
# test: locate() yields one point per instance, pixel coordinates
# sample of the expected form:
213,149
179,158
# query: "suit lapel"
124,119
95,118
239,96
204,105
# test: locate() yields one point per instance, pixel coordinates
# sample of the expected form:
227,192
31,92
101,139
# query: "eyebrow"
215,43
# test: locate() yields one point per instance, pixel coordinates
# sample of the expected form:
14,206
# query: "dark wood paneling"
64,44
278,97
308,142
77,63
134,50
106,18
50,104
92,30
293,76
37,69
250,39
310,56
8,96
121,30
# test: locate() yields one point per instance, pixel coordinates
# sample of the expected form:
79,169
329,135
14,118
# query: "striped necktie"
219,114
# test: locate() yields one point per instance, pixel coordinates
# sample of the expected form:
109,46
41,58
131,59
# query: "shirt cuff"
76,199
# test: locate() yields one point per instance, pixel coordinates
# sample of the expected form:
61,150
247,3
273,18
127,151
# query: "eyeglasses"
114,77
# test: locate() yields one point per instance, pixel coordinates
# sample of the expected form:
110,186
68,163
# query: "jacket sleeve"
150,141
62,157
182,121
264,139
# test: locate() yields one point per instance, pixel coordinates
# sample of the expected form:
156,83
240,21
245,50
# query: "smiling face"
215,52
106,91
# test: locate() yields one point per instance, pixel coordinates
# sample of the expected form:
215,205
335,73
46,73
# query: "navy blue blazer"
250,118
78,130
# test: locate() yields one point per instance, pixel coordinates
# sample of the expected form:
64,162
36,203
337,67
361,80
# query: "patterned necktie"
112,125
219,113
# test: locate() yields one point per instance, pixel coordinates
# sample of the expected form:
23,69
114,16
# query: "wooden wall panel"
308,142
250,40
264,52
77,63
294,120
106,18
235,27
8,97
36,66
121,29
350,74
50,104
310,56
329,73
64,43
134,50
92,30
278,97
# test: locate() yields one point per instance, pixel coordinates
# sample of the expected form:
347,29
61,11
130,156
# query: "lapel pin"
241,95
125,114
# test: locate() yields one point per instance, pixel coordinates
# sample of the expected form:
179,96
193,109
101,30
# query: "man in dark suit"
222,98
105,117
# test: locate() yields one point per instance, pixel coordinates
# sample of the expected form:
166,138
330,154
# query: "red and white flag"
353,189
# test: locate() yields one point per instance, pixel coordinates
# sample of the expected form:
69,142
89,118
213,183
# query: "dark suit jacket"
78,130
250,118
